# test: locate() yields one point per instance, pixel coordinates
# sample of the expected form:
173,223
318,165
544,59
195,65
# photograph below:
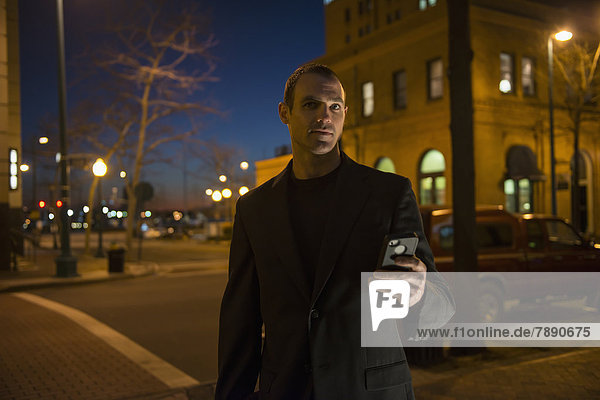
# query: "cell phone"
395,245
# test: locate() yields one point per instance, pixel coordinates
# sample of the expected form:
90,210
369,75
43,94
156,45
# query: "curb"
17,285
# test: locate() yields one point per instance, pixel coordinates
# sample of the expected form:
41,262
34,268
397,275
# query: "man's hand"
416,277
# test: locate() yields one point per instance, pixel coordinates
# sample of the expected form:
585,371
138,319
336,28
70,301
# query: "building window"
369,5
385,164
368,96
423,4
398,14
506,73
360,8
389,18
399,90
432,182
360,32
13,168
527,74
347,38
347,15
368,29
521,173
435,72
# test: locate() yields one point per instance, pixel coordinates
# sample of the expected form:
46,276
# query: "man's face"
316,120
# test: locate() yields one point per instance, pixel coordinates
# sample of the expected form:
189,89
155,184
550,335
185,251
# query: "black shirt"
309,203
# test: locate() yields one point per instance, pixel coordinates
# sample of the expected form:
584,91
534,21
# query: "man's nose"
324,114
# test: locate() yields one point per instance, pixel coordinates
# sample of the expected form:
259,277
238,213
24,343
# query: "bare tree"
578,66
158,60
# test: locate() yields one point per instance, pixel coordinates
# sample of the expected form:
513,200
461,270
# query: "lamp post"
561,36
66,263
99,169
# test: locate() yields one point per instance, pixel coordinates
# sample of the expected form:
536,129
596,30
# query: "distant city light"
86,209
119,214
50,216
223,178
216,196
243,190
57,157
170,229
148,214
505,86
177,215
563,36
226,193
70,212
43,140
123,174
209,192
124,214
244,165
104,210
24,167
85,225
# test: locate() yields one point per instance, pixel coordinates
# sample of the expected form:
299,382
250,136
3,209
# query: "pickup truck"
508,242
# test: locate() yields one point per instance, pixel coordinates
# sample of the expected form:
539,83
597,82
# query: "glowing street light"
226,193
217,196
24,167
243,190
244,165
561,36
222,178
123,174
99,169
208,192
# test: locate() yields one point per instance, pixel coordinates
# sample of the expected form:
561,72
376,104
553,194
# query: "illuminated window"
385,164
368,96
527,75
13,160
521,173
399,90
506,73
518,195
435,72
432,182
423,4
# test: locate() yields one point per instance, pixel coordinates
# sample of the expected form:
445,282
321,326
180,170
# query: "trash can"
116,259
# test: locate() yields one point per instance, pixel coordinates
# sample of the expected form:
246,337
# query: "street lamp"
66,263
560,36
99,169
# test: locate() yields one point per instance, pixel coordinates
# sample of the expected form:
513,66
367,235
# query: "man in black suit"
300,242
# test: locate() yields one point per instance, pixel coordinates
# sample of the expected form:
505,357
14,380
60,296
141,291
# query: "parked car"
508,242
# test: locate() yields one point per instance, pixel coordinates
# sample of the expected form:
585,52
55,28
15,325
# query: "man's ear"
284,113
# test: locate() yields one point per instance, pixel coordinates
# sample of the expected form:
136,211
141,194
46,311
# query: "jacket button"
314,314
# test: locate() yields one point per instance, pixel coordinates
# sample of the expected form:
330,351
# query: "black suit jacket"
312,329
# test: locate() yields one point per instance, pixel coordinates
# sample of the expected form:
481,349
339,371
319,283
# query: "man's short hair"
290,85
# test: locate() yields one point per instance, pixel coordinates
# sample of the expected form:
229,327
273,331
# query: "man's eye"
336,107
310,104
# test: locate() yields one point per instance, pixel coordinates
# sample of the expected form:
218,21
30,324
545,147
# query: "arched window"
432,182
583,216
521,172
385,164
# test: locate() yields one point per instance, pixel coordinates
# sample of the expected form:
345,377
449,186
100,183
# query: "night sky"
259,44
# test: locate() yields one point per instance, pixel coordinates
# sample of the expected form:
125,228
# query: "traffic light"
59,203
42,204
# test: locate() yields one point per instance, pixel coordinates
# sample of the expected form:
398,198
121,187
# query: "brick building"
10,128
392,57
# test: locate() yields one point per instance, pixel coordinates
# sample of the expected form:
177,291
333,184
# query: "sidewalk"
38,269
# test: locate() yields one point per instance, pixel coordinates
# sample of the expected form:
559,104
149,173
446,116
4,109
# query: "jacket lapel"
280,230
351,192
